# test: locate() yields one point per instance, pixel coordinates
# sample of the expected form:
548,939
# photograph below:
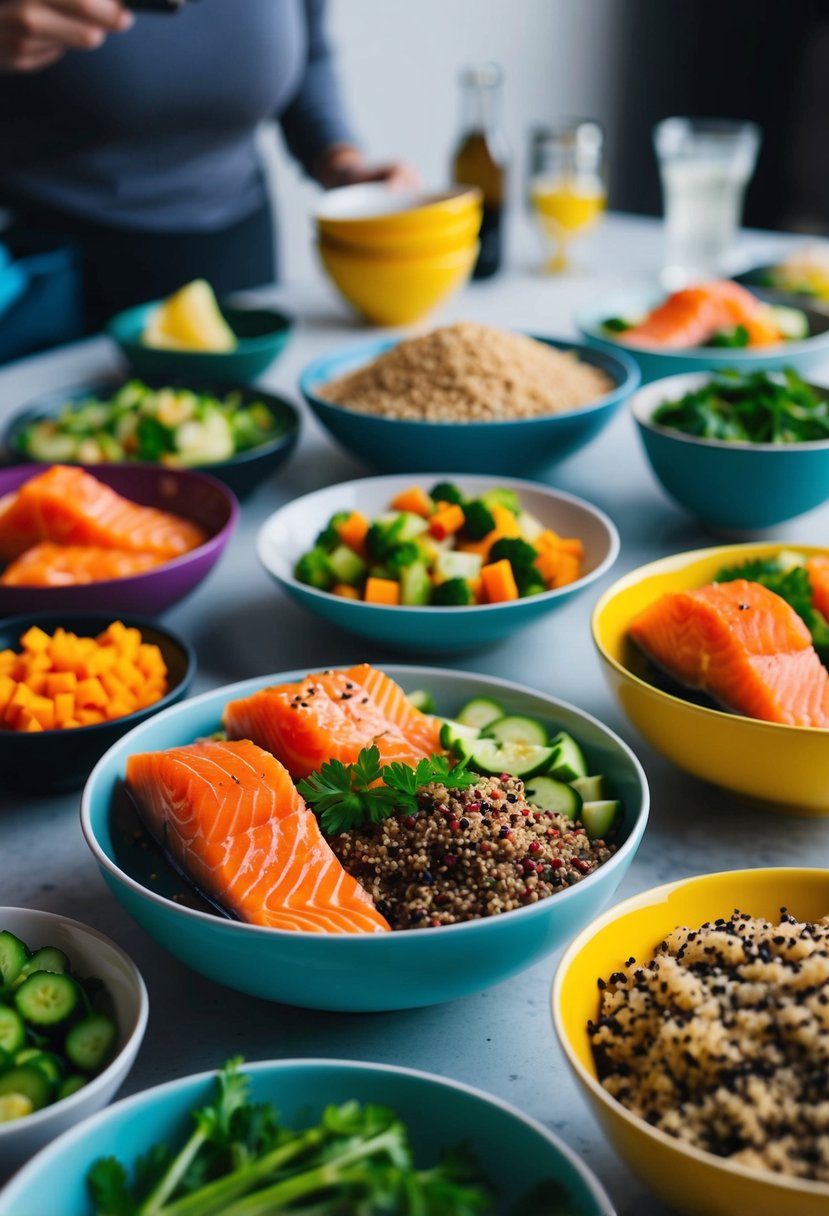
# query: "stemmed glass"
566,184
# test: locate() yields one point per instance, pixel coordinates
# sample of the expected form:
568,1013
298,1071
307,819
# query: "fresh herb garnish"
737,336
345,796
789,579
757,407
617,325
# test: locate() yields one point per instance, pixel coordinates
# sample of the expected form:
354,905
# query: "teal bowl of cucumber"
572,763
332,581
67,1041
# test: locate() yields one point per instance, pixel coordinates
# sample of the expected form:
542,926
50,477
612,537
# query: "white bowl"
90,953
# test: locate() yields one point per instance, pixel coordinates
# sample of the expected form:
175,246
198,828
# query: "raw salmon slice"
818,568
333,715
51,565
231,819
742,644
69,506
692,316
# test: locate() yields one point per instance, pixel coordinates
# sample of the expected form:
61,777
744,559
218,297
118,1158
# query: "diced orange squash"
572,546
120,709
352,532
547,564
61,681
345,591
382,591
446,521
568,571
43,708
27,723
7,687
416,500
37,682
499,582
35,640
548,539
90,693
64,708
8,658
506,523
114,687
90,717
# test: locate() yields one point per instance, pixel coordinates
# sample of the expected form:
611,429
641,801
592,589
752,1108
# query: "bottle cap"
482,75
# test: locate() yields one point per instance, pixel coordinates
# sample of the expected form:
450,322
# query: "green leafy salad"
757,407
173,426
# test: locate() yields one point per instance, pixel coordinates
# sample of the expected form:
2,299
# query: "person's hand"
36,33
344,165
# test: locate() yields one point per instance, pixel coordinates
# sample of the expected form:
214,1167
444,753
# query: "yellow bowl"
446,239
786,768
373,212
688,1179
397,291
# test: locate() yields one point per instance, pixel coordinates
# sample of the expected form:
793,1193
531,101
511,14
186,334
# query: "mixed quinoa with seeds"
722,1040
467,854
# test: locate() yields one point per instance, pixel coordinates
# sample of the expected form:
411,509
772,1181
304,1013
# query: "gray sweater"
155,130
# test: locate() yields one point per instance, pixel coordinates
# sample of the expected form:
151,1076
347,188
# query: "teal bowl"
261,332
654,363
291,531
733,488
526,447
517,1154
369,972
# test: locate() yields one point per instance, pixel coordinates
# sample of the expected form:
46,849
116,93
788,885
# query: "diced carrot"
548,539
128,672
119,709
547,565
35,640
568,571
64,708
28,723
114,687
505,522
8,658
416,500
572,546
446,521
7,687
37,662
61,681
43,709
352,532
499,582
345,591
90,717
382,591
37,683
90,693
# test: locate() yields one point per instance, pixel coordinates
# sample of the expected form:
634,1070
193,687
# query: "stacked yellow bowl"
393,254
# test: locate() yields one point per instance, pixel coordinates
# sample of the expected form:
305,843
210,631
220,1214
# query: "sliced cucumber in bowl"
514,728
568,763
600,817
455,736
551,795
491,758
479,712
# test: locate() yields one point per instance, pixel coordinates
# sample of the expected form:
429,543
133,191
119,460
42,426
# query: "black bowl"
242,473
50,761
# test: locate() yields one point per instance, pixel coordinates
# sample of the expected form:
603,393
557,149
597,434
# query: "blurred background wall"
626,62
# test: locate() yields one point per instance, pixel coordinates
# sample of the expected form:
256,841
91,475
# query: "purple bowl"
195,496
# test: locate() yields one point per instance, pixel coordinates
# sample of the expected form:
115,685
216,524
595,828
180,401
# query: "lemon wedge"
190,320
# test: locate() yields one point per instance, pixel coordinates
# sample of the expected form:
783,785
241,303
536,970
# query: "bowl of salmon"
365,840
719,658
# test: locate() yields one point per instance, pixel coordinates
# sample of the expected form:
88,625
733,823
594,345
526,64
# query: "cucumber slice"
490,757
347,565
457,738
14,1106
454,564
479,712
792,322
568,761
513,728
552,795
12,1030
423,700
411,526
48,1063
599,817
415,585
49,958
29,1082
70,1086
90,1042
47,998
592,789
14,955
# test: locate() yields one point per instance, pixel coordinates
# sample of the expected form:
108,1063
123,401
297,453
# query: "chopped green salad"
756,407
173,426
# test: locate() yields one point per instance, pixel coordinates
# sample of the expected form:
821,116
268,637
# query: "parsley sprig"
345,796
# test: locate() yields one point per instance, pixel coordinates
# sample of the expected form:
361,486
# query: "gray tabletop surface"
241,625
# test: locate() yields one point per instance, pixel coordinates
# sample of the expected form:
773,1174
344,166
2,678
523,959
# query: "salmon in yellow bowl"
719,658
699,1072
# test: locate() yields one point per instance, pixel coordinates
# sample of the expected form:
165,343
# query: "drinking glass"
567,191
705,165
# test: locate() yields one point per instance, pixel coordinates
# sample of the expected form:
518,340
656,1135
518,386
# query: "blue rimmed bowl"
517,1154
383,971
525,447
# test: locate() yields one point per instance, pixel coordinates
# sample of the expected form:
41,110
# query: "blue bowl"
654,363
381,971
291,531
523,448
735,488
516,1153
261,332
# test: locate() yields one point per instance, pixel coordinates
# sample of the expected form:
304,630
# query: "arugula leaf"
755,407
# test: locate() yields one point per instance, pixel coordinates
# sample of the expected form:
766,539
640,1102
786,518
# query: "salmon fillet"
51,565
818,568
229,816
744,645
333,715
69,506
692,316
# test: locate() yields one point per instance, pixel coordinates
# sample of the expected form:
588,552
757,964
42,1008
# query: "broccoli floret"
454,593
445,491
382,538
402,556
329,537
478,519
313,569
518,553
529,585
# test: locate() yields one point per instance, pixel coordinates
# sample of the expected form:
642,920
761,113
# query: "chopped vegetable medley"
760,407
441,549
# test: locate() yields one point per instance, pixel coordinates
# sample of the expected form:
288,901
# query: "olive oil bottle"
481,157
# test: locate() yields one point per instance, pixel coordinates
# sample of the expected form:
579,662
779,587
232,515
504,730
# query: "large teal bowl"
261,332
516,1153
738,488
376,971
291,531
526,447
654,363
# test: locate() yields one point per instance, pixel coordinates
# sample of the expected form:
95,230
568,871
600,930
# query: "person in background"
133,134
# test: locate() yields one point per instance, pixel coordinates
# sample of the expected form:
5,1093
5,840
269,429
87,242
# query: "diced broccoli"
518,553
402,556
329,537
454,593
478,519
381,538
445,491
530,584
313,569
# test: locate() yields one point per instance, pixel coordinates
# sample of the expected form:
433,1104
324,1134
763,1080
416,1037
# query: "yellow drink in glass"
565,209
566,182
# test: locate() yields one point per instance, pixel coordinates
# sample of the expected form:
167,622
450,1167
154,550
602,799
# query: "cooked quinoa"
722,1040
467,854
469,373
